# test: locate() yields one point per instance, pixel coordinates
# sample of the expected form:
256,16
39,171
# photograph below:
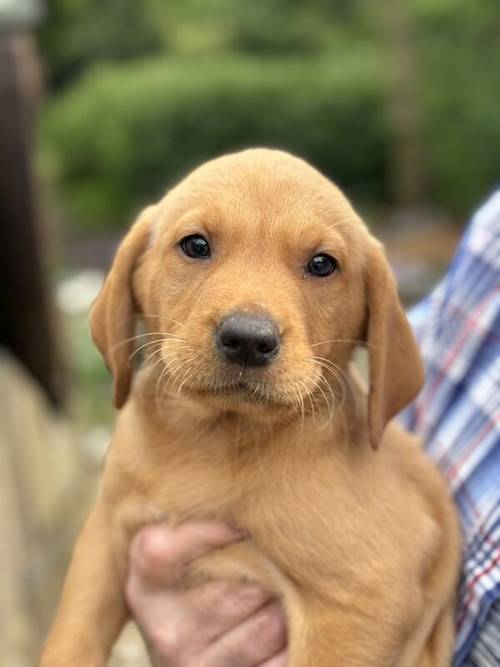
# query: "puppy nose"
247,340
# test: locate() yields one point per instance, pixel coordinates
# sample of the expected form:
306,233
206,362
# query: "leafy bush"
124,133
460,61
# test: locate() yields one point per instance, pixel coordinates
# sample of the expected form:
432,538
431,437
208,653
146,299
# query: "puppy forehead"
258,192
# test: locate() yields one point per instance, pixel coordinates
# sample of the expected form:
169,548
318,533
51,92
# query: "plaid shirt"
458,416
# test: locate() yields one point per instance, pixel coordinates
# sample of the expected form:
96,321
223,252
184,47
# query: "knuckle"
215,594
166,641
211,604
223,599
152,552
270,626
246,597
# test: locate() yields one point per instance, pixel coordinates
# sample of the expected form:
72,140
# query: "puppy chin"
242,400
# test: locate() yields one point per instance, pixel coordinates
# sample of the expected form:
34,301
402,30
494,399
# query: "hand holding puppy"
219,623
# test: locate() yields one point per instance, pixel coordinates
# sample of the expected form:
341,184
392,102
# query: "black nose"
248,340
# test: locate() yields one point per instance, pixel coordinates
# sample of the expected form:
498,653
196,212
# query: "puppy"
256,280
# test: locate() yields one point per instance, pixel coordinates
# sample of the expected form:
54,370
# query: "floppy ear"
396,368
112,315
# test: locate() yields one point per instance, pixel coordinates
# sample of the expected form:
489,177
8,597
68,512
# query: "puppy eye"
322,265
195,246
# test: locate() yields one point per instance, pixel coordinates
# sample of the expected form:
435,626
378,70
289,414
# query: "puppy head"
256,279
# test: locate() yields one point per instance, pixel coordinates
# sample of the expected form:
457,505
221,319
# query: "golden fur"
350,524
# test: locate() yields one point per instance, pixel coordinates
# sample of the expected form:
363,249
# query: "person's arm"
216,624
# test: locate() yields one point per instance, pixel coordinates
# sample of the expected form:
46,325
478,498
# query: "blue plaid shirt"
458,416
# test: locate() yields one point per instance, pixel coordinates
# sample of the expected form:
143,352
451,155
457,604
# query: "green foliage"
460,60
81,32
146,90
125,133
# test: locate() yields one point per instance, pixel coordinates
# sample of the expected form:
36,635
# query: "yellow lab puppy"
256,280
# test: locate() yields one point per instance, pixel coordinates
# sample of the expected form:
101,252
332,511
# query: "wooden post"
26,324
407,161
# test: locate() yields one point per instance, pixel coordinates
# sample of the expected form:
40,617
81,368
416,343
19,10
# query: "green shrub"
460,61
125,133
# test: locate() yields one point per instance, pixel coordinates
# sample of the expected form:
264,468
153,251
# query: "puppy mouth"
241,391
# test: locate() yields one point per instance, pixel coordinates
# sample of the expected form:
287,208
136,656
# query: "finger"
159,552
256,640
180,622
217,607
199,615
279,660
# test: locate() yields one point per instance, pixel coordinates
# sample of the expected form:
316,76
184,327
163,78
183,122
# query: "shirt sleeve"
457,414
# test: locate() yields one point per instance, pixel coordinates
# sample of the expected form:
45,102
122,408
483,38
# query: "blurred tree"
459,48
442,59
78,33
272,27
407,166
126,132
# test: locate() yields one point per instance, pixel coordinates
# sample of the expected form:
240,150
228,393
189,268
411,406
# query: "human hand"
217,624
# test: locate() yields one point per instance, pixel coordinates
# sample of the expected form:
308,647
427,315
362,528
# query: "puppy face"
256,278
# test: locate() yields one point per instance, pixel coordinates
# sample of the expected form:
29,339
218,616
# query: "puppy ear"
396,369
112,315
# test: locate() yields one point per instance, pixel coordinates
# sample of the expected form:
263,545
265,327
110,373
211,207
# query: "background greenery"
140,92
